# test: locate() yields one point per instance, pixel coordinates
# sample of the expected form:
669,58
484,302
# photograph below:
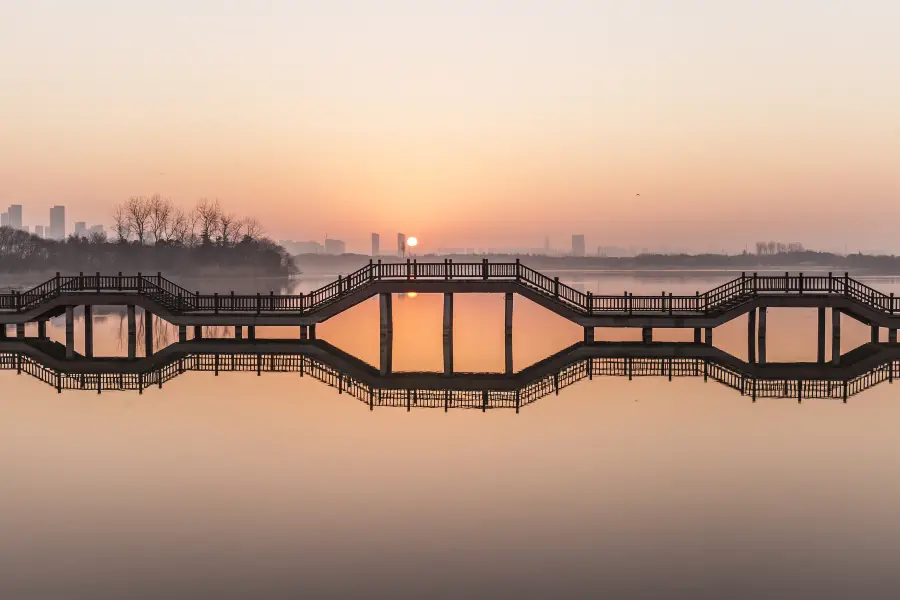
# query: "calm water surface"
240,486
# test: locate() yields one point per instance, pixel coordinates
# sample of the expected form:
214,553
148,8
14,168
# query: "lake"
277,486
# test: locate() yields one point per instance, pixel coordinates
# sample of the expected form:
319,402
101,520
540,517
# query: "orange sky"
466,123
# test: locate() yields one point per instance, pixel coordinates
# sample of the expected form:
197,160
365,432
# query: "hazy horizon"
467,124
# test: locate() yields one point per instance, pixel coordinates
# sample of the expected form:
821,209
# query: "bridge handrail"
177,297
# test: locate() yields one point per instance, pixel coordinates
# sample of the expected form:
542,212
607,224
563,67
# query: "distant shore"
686,265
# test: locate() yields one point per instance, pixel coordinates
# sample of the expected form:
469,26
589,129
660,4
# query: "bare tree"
208,217
229,228
137,212
251,229
120,224
161,213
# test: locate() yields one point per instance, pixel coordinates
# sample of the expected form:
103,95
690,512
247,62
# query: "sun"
412,242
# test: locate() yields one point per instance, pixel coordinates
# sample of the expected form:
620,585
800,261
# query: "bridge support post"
198,332
387,353
892,336
751,336
312,331
132,332
647,335
508,329
182,333
386,311
763,314
3,331
448,334
304,332
709,336
875,334
148,333
698,338
238,332
588,335
88,331
42,329
821,333
20,330
835,336
70,332
251,332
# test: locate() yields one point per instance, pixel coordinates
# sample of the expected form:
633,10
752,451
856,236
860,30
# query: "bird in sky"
637,194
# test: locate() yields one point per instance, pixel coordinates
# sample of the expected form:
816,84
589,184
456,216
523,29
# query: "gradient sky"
467,123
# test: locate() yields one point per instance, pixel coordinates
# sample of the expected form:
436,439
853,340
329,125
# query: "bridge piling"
763,320
182,333
132,332
508,329
88,331
251,332
304,332
835,336
70,332
238,332
647,335
709,339
588,335
821,335
198,332
3,331
312,331
448,334
20,330
892,336
42,329
698,338
875,334
148,333
386,358
751,336
386,313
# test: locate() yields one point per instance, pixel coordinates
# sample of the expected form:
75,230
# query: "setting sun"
411,242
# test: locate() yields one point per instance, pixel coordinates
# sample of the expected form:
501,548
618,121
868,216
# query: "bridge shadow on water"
858,370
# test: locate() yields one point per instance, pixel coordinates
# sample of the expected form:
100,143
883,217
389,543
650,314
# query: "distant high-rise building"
4,219
39,230
57,230
15,216
547,245
401,244
578,245
376,244
80,228
335,247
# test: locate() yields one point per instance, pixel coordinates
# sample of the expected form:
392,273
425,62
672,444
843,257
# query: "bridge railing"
721,297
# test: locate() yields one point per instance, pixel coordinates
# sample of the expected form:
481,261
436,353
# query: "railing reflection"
348,375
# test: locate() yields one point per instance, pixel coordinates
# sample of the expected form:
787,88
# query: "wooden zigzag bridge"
749,294
864,368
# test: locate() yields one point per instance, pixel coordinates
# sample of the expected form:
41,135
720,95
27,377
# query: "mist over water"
277,486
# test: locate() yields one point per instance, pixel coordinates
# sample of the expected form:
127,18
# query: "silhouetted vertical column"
821,333
198,332
835,336
709,336
20,330
588,335
42,329
182,333
875,336
508,331
132,332
751,336
88,331
647,335
3,331
763,314
312,331
385,302
698,338
892,336
387,352
148,333
448,334
304,332
70,332
251,332
238,332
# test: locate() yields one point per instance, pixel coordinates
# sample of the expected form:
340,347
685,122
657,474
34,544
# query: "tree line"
151,233
770,248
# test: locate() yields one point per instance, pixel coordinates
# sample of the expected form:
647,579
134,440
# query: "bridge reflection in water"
860,369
